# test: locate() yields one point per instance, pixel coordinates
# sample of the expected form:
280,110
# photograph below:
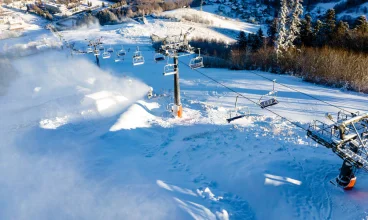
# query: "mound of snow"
135,117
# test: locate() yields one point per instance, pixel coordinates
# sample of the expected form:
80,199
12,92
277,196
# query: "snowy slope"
79,142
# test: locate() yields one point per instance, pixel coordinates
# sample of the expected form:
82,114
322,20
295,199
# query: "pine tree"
294,30
289,25
258,40
341,34
242,40
342,28
306,32
318,34
361,25
281,44
272,31
250,41
330,24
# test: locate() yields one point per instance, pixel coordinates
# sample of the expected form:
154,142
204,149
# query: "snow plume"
10,34
36,182
30,48
87,21
73,87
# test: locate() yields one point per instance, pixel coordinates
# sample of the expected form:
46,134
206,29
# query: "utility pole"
177,107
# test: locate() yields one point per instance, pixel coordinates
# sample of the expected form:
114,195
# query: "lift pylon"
347,137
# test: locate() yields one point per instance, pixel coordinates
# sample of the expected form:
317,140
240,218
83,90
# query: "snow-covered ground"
82,142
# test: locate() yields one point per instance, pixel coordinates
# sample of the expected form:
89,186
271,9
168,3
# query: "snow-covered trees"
281,44
289,25
294,30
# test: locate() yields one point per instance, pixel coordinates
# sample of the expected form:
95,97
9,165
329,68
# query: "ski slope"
82,142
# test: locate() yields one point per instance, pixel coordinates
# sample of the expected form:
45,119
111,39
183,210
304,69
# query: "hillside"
261,11
82,142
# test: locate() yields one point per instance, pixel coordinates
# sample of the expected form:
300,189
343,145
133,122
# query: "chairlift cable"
225,86
289,87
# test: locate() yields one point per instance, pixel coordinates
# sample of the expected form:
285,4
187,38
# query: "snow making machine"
347,137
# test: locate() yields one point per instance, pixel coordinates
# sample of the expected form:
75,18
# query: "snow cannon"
346,179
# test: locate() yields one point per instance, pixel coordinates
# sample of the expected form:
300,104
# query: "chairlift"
138,58
96,52
110,49
101,47
121,52
119,58
106,55
269,99
158,57
197,62
238,114
170,68
89,50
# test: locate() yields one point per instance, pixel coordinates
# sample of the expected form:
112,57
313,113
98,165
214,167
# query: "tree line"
325,51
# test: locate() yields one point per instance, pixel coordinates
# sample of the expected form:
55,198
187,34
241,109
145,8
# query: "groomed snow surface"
82,142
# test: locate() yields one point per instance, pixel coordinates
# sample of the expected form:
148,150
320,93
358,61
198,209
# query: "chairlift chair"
138,59
197,62
106,55
89,50
269,99
121,52
119,58
238,114
96,52
110,49
158,57
101,47
169,69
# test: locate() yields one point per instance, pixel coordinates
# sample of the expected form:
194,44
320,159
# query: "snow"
82,142
135,117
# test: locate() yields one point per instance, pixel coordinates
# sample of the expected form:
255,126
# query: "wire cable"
225,86
338,107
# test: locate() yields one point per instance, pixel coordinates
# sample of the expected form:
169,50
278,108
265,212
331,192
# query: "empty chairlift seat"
269,99
158,57
138,59
268,103
121,52
110,49
196,62
238,113
169,69
89,50
106,55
